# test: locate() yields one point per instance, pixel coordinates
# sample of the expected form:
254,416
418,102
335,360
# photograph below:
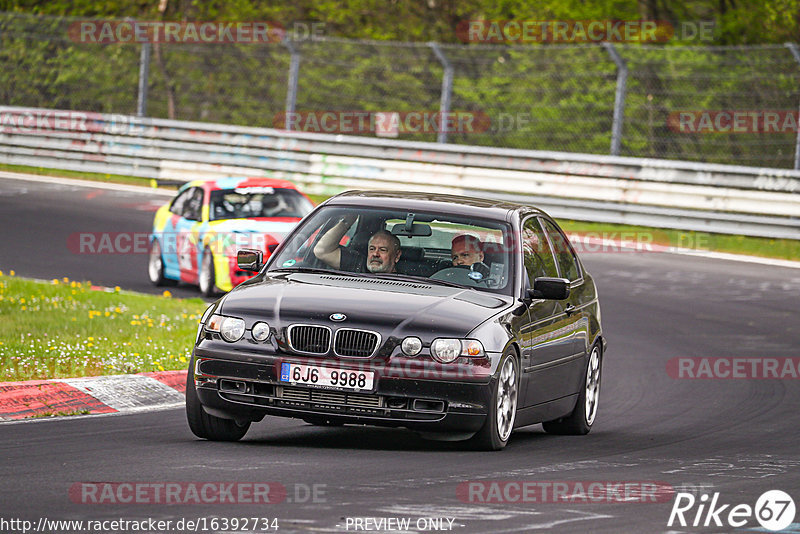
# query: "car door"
187,232
169,234
544,339
575,308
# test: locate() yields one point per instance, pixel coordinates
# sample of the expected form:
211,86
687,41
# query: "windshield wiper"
415,279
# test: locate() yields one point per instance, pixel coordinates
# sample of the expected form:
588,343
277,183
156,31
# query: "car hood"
391,307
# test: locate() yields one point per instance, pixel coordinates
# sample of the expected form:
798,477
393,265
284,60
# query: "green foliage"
534,96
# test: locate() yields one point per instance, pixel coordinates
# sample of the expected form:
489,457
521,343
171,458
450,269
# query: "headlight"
411,346
260,331
447,350
230,328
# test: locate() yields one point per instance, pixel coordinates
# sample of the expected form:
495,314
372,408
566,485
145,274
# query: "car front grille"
310,339
329,397
355,343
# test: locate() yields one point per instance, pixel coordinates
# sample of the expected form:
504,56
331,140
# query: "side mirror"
250,260
549,288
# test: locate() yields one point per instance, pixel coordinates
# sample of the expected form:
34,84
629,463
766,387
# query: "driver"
466,249
383,251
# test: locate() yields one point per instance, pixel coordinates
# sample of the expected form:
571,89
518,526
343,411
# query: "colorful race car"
195,237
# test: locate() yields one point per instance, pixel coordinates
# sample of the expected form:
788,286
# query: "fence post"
619,97
294,73
144,76
796,53
447,90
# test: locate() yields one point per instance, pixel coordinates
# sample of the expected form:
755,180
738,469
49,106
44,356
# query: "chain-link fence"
736,105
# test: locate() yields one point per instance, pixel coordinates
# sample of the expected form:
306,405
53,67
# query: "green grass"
92,176
787,249
62,329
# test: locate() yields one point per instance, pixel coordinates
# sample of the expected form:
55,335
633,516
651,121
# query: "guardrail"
660,193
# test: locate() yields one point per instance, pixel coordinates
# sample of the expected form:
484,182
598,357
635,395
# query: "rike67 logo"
774,510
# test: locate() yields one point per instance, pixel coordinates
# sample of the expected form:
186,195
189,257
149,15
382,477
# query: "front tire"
580,421
503,410
207,426
207,279
155,266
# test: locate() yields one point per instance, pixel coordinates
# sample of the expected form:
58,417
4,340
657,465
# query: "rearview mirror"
549,288
249,260
416,230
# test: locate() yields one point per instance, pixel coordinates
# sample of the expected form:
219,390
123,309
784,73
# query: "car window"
426,249
258,201
536,253
194,205
177,205
567,263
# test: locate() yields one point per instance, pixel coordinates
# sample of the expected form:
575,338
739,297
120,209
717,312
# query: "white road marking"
123,392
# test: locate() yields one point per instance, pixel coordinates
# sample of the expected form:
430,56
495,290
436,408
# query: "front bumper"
241,386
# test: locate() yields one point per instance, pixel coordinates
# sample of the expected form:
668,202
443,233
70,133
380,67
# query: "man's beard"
378,267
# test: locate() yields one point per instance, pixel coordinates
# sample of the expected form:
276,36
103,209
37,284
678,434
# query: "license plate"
315,375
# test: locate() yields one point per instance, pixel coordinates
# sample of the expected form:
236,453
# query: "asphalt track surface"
735,437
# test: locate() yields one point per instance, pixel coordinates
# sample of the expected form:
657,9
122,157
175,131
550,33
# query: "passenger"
383,251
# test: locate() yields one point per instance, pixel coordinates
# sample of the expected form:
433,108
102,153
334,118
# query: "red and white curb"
92,395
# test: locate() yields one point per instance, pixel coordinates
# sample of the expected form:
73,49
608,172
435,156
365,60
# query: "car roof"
416,200
239,181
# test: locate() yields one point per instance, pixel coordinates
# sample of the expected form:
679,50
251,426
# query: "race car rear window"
248,202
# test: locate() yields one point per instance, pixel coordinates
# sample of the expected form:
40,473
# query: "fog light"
411,346
260,331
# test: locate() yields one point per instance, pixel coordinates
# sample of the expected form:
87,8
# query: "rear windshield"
248,202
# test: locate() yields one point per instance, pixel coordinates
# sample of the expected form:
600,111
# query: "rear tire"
155,266
503,409
207,277
208,426
580,421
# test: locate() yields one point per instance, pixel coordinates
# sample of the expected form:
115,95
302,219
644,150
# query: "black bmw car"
458,318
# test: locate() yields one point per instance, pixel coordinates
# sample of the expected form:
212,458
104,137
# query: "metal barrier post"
144,76
447,90
796,53
294,73
619,97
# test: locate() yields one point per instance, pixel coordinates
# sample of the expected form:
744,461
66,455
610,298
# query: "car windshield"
249,202
444,249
